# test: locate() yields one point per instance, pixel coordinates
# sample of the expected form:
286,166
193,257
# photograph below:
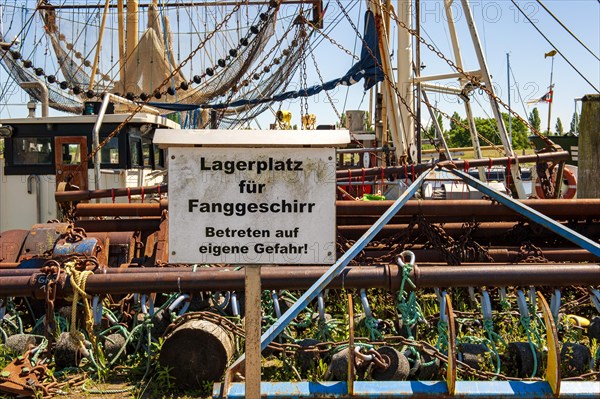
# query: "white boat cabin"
40,153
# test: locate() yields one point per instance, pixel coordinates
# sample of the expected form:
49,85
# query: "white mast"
390,97
494,104
405,75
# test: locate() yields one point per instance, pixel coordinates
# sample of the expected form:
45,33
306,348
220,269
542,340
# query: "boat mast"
551,91
121,26
485,74
390,97
405,75
99,45
132,30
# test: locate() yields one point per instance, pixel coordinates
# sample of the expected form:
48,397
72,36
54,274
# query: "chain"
332,41
337,113
439,239
396,243
51,270
387,78
529,253
303,79
275,61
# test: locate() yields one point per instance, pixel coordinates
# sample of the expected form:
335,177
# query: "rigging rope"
567,29
554,47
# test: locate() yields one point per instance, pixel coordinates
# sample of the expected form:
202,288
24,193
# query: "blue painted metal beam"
335,269
531,214
428,389
331,273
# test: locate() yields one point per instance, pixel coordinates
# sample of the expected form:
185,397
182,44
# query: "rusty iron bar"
556,208
386,277
501,255
142,209
113,225
420,168
83,195
494,232
566,208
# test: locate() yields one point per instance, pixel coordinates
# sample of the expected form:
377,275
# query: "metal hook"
365,303
276,304
235,308
97,309
321,306
522,302
178,301
442,299
555,304
486,305
472,294
595,297
411,258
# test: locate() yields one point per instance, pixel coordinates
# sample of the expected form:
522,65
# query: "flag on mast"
546,98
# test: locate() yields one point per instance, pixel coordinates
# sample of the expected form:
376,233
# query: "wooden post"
588,184
252,326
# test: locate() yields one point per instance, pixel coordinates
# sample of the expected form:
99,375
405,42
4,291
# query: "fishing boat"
245,60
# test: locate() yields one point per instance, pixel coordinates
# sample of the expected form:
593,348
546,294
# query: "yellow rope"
78,280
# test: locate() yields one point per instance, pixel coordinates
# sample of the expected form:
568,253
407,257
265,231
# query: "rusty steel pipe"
211,279
82,195
588,208
387,277
493,232
555,208
142,209
401,170
112,225
501,255
562,275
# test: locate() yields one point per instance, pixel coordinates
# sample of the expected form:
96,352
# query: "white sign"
252,205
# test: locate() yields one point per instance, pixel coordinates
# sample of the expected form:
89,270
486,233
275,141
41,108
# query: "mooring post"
252,327
588,184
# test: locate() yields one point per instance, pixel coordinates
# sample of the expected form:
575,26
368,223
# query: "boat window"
32,151
159,160
71,154
110,152
146,154
136,152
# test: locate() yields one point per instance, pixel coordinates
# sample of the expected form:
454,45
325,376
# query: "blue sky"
501,28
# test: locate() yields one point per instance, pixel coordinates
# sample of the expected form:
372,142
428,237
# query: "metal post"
551,91
438,128
252,327
96,139
508,90
42,87
417,74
